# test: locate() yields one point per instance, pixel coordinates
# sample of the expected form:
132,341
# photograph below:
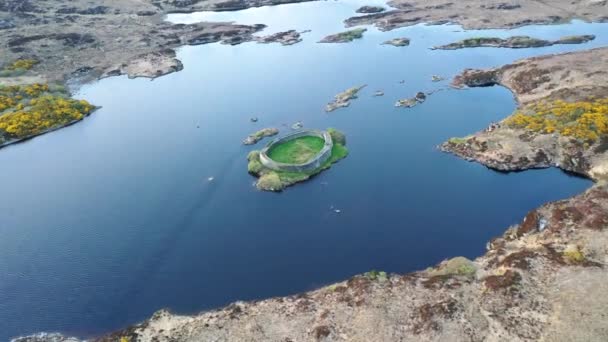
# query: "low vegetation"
457,140
456,266
30,110
381,276
573,256
17,68
586,121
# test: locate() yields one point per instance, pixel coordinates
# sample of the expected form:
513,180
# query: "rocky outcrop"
398,42
343,99
344,37
419,98
150,65
516,42
285,38
571,77
259,135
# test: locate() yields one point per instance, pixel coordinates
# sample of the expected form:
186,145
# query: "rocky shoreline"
571,77
80,43
533,283
481,14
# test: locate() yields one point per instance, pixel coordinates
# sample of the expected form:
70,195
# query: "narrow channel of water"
109,220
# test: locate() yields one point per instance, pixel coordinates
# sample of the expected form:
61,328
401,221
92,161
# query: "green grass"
296,151
337,152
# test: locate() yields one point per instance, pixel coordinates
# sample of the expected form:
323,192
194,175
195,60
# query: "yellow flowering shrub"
583,120
30,110
23,64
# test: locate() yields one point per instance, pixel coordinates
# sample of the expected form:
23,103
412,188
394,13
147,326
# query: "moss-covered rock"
456,266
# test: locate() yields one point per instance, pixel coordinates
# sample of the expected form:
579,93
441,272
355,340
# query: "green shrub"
270,181
337,136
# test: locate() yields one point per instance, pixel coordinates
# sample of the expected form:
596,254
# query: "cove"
106,221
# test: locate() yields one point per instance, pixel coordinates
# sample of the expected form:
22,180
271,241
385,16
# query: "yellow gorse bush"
24,64
584,120
31,110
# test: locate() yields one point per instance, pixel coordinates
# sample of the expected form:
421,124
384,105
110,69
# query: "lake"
106,221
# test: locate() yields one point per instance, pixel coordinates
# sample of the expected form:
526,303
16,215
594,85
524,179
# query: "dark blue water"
109,220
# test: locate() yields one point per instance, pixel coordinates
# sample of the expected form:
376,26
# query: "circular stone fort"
301,151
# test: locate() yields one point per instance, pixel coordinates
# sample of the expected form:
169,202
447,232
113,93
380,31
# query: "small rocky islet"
284,38
344,37
419,98
516,42
343,99
254,138
398,42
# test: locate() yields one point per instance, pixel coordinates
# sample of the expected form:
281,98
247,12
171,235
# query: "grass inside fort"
296,151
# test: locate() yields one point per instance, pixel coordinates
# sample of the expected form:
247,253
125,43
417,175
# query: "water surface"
109,220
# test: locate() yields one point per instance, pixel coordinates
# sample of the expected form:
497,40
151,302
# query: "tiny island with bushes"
296,158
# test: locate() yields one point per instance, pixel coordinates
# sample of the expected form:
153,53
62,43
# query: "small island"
516,42
284,38
420,97
259,135
344,37
398,42
370,9
343,99
296,158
